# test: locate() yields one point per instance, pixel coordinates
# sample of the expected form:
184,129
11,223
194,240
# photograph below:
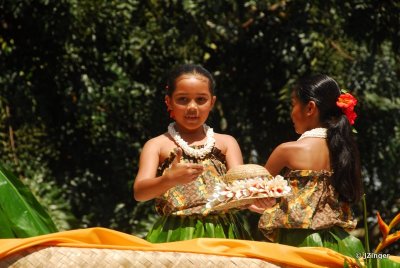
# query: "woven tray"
44,257
238,174
245,171
238,203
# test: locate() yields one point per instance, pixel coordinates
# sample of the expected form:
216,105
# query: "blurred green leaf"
20,209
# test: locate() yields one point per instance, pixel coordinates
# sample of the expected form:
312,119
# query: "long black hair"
186,69
343,151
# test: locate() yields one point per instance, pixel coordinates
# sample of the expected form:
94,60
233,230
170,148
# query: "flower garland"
346,102
196,153
318,132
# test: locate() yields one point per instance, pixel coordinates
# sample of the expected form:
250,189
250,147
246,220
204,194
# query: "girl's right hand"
260,205
182,173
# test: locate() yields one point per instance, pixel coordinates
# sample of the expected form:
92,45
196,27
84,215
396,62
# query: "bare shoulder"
155,141
281,156
304,147
224,141
288,150
289,146
225,138
230,148
158,142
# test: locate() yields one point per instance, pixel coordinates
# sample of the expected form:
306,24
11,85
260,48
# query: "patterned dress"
183,208
312,216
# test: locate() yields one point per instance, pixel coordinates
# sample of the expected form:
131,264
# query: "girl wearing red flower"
323,169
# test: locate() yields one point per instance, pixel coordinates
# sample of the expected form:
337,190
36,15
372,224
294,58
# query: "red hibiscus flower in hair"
346,102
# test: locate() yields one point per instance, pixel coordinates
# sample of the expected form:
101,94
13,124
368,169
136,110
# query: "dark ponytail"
344,155
345,159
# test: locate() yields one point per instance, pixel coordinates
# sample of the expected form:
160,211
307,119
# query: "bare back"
306,154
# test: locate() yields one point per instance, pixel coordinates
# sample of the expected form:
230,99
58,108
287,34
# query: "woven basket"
245,172
98,258
237,203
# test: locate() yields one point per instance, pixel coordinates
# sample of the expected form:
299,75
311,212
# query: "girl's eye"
182,100
201,100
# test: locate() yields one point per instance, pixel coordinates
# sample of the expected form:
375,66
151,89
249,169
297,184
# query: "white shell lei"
196,153
314,133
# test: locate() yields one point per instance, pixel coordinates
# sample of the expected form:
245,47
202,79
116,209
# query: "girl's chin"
192,120
191,123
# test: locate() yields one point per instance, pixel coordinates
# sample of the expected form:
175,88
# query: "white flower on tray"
258,187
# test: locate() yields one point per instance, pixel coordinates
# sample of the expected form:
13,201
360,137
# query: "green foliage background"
82,87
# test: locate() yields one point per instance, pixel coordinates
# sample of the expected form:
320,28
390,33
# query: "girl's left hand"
260,205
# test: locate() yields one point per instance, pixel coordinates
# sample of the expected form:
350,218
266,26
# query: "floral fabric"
314,204
183,208
191,198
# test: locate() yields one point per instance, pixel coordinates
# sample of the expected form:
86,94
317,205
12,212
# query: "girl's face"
191,101
299,115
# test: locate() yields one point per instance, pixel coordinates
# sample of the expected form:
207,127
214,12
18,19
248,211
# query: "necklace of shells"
196,153
314,133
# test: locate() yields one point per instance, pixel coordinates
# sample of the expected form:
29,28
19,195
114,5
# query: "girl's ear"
213,100
312,108
168,102
169,108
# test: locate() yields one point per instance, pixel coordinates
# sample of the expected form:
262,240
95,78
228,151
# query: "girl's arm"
147,186
233,153
275,163
278,159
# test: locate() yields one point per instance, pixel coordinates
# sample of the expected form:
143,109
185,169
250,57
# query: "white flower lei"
197,153
314,133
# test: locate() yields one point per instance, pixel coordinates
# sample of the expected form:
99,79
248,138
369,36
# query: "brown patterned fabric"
314,204
190,198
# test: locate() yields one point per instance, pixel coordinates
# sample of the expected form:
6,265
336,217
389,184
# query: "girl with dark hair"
323,169
180,168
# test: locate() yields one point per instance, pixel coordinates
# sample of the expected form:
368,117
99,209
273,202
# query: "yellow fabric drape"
110,239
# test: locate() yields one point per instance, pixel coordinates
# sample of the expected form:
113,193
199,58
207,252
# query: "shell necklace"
314,133
196,153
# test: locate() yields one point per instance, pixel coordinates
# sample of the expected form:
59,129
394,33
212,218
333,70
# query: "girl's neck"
315,125
185,144
314,133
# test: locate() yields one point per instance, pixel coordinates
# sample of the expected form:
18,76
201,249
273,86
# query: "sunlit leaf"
20,209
